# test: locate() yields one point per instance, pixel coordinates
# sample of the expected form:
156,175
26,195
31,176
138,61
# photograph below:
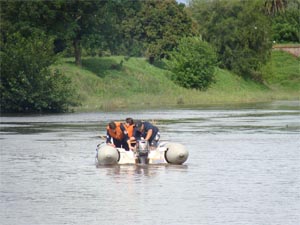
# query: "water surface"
243,168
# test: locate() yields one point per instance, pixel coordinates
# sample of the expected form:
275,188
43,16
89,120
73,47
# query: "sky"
182,1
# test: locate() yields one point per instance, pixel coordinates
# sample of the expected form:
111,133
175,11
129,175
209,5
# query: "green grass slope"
283,71
103,84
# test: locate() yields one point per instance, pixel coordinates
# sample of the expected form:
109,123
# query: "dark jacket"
147,126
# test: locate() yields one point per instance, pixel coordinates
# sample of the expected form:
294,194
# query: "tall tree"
27,84
286,23
131,28
159,25
275,6
240,32
75,20
69,21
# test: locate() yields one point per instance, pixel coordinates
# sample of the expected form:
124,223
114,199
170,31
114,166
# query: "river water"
243,168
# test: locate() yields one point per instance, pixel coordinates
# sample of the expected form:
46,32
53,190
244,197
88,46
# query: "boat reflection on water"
148,170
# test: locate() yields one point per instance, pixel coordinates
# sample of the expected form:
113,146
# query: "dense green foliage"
163,24
27,84
193,64
285,25
74,24
148,28
239,31
34,33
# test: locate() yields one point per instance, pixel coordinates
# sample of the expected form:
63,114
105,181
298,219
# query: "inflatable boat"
172,153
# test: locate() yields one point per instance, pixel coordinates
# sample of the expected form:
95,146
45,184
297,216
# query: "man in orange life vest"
129,126
117,135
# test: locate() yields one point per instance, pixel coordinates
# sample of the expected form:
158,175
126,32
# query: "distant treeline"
237,35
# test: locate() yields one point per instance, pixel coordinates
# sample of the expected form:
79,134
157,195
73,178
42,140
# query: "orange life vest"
118,134
129,129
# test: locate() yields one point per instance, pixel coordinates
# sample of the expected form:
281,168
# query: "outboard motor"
142,151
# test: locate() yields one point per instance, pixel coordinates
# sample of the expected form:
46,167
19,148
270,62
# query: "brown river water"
243,168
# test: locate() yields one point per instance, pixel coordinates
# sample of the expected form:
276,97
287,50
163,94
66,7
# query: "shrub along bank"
118,83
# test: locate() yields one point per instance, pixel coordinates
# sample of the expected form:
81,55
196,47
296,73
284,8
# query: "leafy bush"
193,63
27,83
239,31
286,25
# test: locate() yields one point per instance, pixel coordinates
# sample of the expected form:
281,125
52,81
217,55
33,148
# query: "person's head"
129,121
112,125
139,125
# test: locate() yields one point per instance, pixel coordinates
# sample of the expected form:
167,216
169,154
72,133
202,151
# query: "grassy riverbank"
103,84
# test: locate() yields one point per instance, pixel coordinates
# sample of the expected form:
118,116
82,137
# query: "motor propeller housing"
142,151
142,147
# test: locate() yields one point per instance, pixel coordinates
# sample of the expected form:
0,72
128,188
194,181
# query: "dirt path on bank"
292,49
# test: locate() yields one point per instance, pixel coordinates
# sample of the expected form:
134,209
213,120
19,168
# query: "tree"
240,32
27,84
68,21
159,25
285,25
193,63
131,28
273,7
75,20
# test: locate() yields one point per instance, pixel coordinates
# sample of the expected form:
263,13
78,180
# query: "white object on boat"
107,155
173,153
176,153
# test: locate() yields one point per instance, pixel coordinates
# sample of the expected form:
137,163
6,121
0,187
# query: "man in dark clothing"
147,131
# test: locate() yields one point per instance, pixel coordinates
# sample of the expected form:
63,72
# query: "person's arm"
149,134
108,139
129,145
136,135
125,133
126,137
